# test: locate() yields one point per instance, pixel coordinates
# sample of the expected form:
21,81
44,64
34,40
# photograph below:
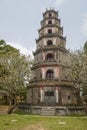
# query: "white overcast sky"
20,21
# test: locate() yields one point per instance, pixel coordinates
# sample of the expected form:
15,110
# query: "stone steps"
48,111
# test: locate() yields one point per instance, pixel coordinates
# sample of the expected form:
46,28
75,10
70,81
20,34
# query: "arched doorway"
49,74
49,43
49,31
49,22
49,97
49,56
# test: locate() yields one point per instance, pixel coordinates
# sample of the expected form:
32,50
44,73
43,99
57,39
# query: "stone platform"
52,110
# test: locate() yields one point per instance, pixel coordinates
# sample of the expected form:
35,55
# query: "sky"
20,21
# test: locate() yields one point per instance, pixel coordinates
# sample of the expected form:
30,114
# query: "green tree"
84,96
14,73
85,47
78,66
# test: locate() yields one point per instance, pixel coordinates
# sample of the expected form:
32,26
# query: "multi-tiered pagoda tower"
51,84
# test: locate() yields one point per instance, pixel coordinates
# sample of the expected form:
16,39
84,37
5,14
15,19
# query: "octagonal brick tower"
50,83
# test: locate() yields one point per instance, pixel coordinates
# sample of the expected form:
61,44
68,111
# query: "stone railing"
40,79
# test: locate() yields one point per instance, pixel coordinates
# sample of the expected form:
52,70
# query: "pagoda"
50,83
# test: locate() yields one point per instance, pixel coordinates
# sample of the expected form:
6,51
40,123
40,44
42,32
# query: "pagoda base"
52,110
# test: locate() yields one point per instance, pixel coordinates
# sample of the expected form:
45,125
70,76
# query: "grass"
32,122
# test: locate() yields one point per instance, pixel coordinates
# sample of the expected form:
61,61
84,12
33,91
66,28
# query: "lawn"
32,122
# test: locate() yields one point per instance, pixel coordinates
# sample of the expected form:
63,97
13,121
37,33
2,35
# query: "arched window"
50,15
41,75
49,30
49,74
49,56
49,42
49,22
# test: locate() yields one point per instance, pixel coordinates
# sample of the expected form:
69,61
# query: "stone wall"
67,96
33,96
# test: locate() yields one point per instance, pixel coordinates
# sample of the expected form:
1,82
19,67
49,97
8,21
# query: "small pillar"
41,94
57,95
43,73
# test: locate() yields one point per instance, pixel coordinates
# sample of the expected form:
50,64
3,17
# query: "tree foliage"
78,65
85,47
14,71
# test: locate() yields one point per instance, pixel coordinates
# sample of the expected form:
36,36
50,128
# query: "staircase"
48,111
